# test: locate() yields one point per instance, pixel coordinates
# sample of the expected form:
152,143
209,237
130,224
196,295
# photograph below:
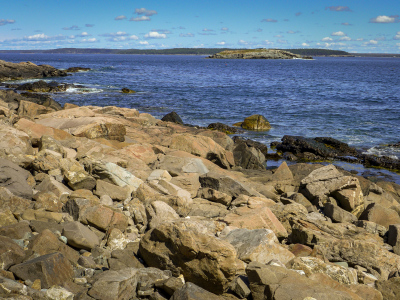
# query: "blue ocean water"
355,100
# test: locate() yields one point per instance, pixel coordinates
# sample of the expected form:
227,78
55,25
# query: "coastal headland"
110,203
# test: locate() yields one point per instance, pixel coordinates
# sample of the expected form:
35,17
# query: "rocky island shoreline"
110,203
257,54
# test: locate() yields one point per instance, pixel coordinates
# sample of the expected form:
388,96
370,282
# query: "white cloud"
43,37
398,44
146,12
122,17
385,19
155,35
84,34
338,33
113,34
139,19
225,29
269,43
91,40
221,43
370,42
143,42
186,34
242,42
397,36
327,39
305,45
282,41
346,24
345,38
207,30
133,37
359,39
5,22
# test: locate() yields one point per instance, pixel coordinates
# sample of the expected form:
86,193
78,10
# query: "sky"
362,26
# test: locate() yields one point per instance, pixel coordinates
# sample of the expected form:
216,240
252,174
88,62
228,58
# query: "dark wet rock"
321,148
223,128
250,143
23,70
248,157
127,91
42,99
42,86
172,117
381,161
77,69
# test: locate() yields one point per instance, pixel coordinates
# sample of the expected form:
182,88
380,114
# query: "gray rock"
259,245
338,214
116,192
158,212
79,236
14,178
225,184
119,285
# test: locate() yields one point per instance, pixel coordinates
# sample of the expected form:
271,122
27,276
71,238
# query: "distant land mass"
195,51
257,54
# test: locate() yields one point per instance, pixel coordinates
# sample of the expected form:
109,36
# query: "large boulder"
258,217
278,283
248,157
79,236
259,245
368,254
172,117
51,269
255,122
202,146
381,215
184,247
327,182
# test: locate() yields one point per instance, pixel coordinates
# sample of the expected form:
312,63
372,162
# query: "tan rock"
259,245
30,110
201,146
184,249
257,218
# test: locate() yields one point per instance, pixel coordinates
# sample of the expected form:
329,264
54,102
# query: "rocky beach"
110,203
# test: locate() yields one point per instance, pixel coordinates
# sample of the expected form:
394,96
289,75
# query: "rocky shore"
110,203
257,54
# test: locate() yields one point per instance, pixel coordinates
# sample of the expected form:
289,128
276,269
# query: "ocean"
355,100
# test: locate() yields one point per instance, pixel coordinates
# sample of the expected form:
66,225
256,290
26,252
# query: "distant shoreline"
195,51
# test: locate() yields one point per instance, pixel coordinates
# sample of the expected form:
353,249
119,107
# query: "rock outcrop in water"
109,203
24,70
257,54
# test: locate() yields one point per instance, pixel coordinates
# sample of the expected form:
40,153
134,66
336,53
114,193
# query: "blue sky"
354,26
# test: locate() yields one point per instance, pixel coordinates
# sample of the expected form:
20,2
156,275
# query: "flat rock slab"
79,236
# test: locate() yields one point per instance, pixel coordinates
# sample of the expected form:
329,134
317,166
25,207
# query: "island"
258,54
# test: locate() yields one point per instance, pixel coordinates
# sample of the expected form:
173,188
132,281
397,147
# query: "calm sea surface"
355,100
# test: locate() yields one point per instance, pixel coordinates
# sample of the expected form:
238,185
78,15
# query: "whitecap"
83,90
